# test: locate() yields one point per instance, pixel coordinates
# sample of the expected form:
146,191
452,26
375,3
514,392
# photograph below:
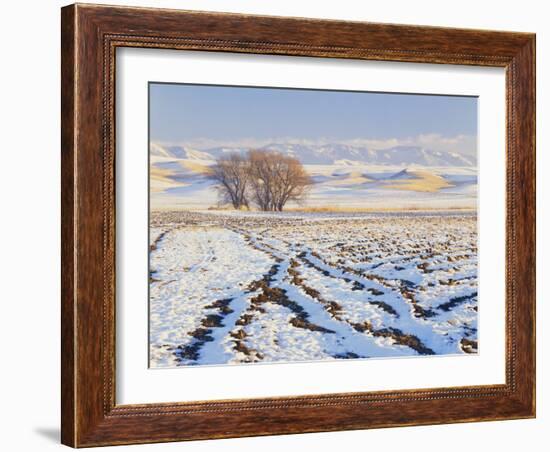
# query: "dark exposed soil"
333,308
468,346
154,246
385,307
157,241
202,334
300,322
419,311
397,335
212,320
348,355
453,302
278,296
356,285
275,295
222,305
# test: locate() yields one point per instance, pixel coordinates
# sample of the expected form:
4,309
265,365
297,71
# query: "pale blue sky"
182,113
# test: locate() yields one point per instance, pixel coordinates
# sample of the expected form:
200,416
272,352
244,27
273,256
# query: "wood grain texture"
90,36
68,147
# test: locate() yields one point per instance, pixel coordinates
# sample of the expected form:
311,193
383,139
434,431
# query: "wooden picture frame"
90,36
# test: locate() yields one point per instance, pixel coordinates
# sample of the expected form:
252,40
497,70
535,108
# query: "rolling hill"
395,178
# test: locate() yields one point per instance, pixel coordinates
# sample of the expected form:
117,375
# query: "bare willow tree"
269,179
292,183
231,174
276,179
262,175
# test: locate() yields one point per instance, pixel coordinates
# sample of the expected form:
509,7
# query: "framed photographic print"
281,225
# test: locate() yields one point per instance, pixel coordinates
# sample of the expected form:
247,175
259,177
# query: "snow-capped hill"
223,150
189,153
157,150
341,154
346,162
403,174
416,180
330,154
178,152
414,155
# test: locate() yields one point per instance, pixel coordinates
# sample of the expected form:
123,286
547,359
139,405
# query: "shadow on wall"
50,433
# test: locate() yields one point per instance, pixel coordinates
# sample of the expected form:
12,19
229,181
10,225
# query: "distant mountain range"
330,154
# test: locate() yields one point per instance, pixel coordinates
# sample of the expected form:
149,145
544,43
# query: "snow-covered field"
229,288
